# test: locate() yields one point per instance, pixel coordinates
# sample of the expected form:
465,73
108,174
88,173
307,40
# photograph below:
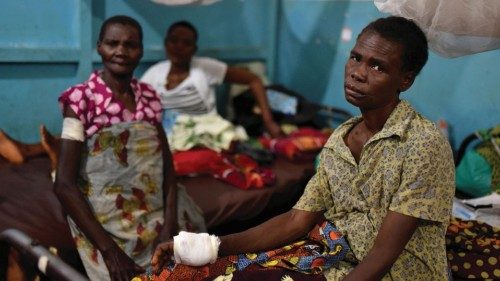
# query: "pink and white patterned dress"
95,106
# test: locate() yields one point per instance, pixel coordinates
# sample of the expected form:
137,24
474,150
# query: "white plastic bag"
453,27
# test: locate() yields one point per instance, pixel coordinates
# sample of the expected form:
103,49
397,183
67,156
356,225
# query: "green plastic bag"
473,175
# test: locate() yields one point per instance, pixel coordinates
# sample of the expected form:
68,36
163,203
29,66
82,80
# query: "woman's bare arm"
271,234
120,266
243,76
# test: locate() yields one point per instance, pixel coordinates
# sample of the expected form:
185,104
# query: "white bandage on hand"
195,249
72,129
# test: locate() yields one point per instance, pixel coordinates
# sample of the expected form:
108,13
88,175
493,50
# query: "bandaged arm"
72,129
195,249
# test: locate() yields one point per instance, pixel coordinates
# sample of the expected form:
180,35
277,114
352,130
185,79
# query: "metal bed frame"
47,263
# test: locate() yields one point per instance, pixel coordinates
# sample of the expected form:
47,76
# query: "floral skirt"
121,177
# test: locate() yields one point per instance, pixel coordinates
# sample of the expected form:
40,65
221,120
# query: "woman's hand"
243,76
163,253
166,234
273,129
120,266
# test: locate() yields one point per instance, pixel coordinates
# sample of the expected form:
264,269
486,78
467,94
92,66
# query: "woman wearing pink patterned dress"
115,177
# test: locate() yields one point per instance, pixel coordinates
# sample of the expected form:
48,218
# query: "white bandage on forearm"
72,129
195,249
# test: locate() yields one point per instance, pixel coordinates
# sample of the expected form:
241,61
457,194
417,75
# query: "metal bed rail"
48,264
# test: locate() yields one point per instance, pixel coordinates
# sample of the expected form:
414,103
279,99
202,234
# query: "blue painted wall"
48,45
464,91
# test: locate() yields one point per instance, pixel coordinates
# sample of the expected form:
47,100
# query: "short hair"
120,19
182,23
407,33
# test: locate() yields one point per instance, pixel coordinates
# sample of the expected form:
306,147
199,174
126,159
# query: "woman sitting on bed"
384,183
187,84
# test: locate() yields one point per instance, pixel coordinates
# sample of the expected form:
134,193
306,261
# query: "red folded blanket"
302,143
239,169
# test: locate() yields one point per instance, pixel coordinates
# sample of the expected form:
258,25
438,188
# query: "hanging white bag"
453,27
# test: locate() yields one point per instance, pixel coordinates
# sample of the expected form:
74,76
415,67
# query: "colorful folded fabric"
322,248
302,143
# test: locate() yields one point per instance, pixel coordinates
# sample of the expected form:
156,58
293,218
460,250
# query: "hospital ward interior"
249,140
